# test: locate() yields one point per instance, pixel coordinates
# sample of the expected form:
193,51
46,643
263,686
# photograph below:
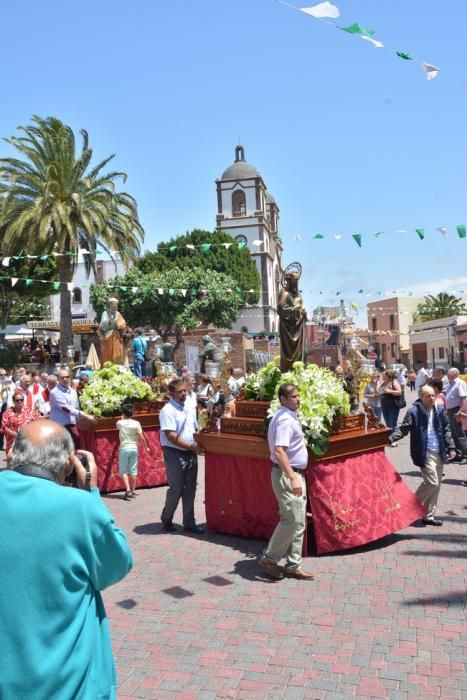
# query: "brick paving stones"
197,619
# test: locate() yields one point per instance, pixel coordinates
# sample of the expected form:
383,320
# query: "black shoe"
127,496
432,521
169,526
463,460
195,529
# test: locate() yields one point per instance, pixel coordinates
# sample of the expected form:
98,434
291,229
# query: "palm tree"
57,203
440,306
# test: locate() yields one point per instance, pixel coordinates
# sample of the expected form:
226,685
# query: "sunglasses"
65,376
17,400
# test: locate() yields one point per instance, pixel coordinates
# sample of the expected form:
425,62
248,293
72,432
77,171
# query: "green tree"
234,261
440,305
57,202
27,299
190,297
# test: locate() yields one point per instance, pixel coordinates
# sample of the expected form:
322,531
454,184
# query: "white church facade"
246,211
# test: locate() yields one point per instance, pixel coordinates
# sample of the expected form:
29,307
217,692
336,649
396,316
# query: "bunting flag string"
206,247
171,291
326,12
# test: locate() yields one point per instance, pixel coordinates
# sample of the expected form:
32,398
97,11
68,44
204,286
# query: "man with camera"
59,548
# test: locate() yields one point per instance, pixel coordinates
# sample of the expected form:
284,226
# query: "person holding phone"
59,549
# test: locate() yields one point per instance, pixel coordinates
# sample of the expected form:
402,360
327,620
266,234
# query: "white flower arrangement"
322,398
109,387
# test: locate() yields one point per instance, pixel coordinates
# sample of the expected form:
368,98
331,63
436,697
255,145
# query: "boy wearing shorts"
130,433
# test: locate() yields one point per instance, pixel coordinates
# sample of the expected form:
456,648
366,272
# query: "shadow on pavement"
448,553
250,569
453,599
128,604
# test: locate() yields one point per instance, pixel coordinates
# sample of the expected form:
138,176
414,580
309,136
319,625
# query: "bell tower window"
238,203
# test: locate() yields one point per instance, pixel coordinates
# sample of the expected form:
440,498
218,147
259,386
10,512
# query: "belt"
295,469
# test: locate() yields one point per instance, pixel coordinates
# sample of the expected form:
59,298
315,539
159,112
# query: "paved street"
198,619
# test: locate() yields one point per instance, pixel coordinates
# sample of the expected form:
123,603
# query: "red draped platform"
354,499
104,445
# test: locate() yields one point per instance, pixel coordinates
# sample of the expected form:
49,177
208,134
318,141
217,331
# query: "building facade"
389,321
81,307
249,213
440,343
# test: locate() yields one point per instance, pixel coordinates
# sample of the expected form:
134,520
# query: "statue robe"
291,328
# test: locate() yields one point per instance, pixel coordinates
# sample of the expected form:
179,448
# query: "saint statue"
292,317
111,334
209,351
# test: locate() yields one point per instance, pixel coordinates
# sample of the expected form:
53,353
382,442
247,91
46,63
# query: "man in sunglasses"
64,405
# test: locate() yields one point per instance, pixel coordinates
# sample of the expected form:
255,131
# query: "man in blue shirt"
181,458
139,345
64,405
59,548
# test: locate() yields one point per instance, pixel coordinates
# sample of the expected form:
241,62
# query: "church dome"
240,169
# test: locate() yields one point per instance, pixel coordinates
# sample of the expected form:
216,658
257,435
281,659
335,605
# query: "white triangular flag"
401,230
257,242
431,71
443,231
226,245
297,237
70,286
190,246
322,10
32,257
134,290
5,262
337,236
160,290
14,281
183,291
377,44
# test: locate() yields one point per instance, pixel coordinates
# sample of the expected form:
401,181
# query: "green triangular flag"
172,248
44,257
358,239
404,55
28,283
56,285
123,289
421,233
238,289
206,247
171,292
337,294
241,245
380,233
318,235
360,291
461,231
357,28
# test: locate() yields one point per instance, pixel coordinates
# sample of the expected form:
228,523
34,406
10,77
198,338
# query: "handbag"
399,401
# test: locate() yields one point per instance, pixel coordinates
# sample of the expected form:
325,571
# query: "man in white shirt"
181,452
422,375
455,394
289,457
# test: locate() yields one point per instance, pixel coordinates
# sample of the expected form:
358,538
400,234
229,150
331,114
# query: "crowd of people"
88,552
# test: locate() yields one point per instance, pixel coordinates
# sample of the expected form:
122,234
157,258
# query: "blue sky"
349,139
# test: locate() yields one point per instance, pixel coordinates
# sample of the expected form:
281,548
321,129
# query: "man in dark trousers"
178,424
431,444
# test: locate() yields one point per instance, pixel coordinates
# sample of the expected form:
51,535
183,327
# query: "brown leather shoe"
274,570
299,573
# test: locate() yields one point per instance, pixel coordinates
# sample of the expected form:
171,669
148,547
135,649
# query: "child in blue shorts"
130,433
